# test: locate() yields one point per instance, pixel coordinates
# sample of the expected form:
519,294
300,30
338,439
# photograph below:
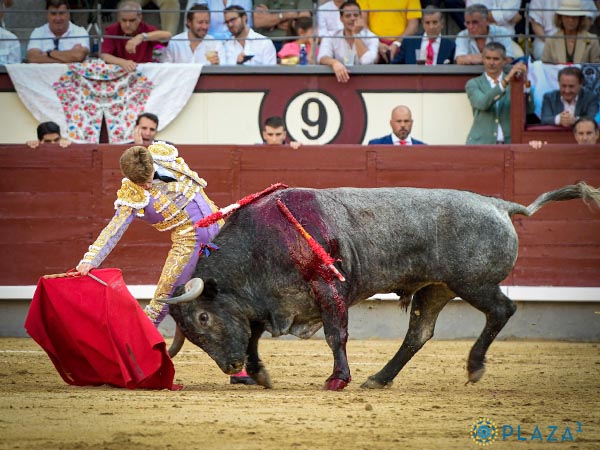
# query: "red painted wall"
53,202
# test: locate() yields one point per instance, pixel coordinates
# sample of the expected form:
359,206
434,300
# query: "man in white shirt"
354,44
59,40
479,32
328,17
195,45
10,47
247,46
218,29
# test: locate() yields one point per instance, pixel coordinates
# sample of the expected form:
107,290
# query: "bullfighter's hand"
84,268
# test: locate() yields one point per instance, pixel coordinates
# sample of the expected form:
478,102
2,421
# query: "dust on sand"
527,385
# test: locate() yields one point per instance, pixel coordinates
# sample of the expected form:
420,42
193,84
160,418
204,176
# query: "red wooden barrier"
53,202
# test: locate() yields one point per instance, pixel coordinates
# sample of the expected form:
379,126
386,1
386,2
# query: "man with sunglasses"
49,133
59,40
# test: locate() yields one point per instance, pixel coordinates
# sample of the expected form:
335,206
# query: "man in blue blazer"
401,123
564,106
441,50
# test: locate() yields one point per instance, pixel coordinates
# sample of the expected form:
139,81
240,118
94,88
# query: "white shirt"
466,45
218,28
180,51
255,44
328,19
569,107
43,39
336,46
396,140
435,44
10,50
500,135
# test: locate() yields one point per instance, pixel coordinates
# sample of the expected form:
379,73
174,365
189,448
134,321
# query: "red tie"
429,60
403,142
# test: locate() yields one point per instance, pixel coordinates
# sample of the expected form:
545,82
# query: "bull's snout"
233,368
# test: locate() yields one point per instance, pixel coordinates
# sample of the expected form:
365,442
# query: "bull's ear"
210,288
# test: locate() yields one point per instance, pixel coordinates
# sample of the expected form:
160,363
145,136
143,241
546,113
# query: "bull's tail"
580,190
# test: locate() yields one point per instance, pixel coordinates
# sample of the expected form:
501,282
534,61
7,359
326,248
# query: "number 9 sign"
313,118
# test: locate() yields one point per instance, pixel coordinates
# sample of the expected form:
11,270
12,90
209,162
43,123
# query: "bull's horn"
193,290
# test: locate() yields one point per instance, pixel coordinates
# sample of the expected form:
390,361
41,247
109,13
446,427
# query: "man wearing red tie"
401,123
430,46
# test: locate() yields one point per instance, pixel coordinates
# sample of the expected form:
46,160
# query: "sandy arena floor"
528,386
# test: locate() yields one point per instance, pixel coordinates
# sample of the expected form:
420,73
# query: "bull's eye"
203,317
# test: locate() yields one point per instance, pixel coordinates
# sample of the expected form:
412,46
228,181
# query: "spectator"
10,47
541,19
570,101
146,127
169,13
354,44
274,132
303,30
247,46
471,42
458,5
59,40
502,13
401,123
218,29
571,43
195,45
272,17
489,95
49,133
585,132
142,38
328,17
391,26
434,49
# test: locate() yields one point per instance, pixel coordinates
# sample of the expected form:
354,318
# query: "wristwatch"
280,16
144,36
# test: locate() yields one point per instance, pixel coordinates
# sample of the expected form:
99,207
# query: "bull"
426,245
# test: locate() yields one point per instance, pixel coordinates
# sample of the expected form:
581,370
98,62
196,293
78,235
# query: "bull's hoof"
335,384
262,378
475,375
373,383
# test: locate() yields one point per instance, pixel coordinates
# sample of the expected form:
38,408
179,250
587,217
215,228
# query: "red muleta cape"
96,334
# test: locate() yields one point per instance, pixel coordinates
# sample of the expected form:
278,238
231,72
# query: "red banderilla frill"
224,212
314,245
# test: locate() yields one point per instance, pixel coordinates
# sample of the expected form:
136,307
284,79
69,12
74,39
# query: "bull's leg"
426,306
254,366
498,308
334,313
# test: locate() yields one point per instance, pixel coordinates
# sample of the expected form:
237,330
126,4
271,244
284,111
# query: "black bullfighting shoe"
241,378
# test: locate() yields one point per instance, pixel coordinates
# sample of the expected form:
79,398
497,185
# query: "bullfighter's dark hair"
57,3
137,164
570,70
348,3
274,122
236,8
45,128
194,9
147,115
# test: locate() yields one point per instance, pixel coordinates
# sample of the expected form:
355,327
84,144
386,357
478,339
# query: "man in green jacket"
489,95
